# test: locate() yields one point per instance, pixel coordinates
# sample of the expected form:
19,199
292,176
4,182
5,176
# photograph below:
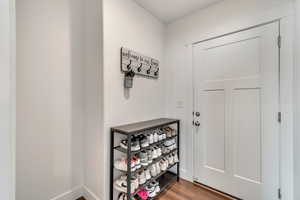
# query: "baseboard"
72,194
186,175
88,194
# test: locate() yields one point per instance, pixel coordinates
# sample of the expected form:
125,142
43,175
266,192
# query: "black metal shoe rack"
167,178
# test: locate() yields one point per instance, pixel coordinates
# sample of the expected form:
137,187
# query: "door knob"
197,123
197,114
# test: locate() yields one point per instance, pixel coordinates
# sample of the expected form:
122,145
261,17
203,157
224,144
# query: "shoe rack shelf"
119,148
166,178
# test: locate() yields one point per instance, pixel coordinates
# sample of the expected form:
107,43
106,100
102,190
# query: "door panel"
247,134
236,91
214,124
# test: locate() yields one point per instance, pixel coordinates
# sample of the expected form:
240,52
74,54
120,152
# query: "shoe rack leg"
129,167
111,192
178,151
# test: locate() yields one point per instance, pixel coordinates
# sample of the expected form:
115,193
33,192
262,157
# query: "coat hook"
149,70
156,73
128,66
140,67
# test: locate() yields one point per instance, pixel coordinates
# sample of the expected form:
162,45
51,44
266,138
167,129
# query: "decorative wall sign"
139,64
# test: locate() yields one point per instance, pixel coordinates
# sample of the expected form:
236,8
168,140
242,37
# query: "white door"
236,90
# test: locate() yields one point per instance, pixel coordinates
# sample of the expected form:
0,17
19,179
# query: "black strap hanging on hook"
149,70
129,65
156,73
140,67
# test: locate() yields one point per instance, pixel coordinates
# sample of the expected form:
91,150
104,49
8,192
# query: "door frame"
8,41
286,65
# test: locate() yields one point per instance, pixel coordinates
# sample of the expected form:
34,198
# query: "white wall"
6,99
297,102
93,72
219,19
128,25
49,98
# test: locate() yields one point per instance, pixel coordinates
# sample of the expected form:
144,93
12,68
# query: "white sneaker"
163,165
151,191
137,162
121,164
150,156
160,137
142,177
176,160
155,184
121,184
135,182
158,151
157,189
153,170
150,138
158,170
135,146
147,174
171,160
155,137
154,153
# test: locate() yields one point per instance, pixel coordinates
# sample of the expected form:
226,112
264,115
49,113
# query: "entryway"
236,106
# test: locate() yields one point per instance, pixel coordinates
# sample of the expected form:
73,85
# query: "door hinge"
279,117
279,194
279,41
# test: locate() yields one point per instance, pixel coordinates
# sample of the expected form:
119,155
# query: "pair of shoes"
152,137
143,194
171,159
152,189
175,155
143,176
121,184
144,158
164,150
161,135
144,141
164,164
170,132
135,144
147,156
156,152
121,164
170,144
155,169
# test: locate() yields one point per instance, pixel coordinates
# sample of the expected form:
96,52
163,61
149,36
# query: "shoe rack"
166,178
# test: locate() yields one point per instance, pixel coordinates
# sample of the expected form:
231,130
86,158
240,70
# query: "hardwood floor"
185,190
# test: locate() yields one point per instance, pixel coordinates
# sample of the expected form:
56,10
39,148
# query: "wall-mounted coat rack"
139,64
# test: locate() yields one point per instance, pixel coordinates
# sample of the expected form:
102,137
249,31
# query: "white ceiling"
170,10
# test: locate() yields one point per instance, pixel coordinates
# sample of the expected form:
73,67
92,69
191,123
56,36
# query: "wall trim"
72,194
88,194
76,193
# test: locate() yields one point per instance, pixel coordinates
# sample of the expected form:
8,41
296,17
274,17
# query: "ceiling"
170,10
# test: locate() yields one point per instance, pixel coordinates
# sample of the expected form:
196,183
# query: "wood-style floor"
185,190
